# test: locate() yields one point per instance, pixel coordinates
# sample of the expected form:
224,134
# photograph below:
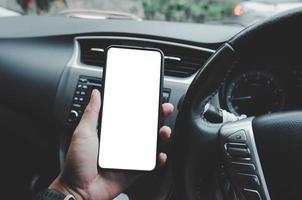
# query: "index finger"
89,120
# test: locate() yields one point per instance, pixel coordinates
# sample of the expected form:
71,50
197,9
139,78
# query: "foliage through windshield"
197,11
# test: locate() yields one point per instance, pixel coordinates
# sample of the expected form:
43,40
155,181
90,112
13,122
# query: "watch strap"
52,194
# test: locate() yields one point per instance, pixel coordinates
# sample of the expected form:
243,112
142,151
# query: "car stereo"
81,97
82,93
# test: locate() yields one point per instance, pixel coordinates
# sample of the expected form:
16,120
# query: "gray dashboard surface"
37,79
37,26
35,50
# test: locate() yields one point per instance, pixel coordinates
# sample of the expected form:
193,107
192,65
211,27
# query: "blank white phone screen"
129,126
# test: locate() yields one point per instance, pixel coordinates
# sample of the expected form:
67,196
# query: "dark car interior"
49,66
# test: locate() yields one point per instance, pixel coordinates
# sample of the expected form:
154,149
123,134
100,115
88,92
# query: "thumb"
89,121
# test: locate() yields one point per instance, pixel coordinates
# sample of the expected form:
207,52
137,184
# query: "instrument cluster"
254,91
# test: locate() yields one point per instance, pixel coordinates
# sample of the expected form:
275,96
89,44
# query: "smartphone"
131,107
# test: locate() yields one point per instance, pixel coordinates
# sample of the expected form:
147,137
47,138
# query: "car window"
188,11
278,1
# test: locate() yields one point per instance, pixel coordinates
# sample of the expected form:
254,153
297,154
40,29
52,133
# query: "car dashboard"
49,66
84,71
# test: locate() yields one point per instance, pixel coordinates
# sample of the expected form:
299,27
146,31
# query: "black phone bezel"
159,106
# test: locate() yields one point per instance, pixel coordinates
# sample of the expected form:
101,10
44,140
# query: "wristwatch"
52,194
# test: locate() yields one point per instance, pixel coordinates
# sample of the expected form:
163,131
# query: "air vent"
184,62
180,61
92,52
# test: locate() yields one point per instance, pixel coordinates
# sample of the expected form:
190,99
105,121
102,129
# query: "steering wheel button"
238,152
243,167
238,136
251,194
248,181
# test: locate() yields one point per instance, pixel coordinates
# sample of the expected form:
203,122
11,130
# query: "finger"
89,120
162,157
165,133
167,109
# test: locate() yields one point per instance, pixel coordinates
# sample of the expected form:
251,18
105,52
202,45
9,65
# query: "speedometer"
255,93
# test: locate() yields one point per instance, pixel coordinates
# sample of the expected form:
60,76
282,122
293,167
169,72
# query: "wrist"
65,189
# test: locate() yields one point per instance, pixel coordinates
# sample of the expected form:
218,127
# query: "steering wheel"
261,156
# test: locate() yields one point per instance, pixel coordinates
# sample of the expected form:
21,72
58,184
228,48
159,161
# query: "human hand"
80,175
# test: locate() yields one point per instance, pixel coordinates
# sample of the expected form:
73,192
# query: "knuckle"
89,110
82,131
78,130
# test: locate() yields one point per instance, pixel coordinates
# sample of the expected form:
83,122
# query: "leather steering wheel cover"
195,141
279,142
279,31
195,145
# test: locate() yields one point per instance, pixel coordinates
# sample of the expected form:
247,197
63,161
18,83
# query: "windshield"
190,11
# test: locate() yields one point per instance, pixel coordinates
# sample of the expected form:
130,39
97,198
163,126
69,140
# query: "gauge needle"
242,98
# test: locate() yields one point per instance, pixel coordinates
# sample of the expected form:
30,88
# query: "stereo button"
73,116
